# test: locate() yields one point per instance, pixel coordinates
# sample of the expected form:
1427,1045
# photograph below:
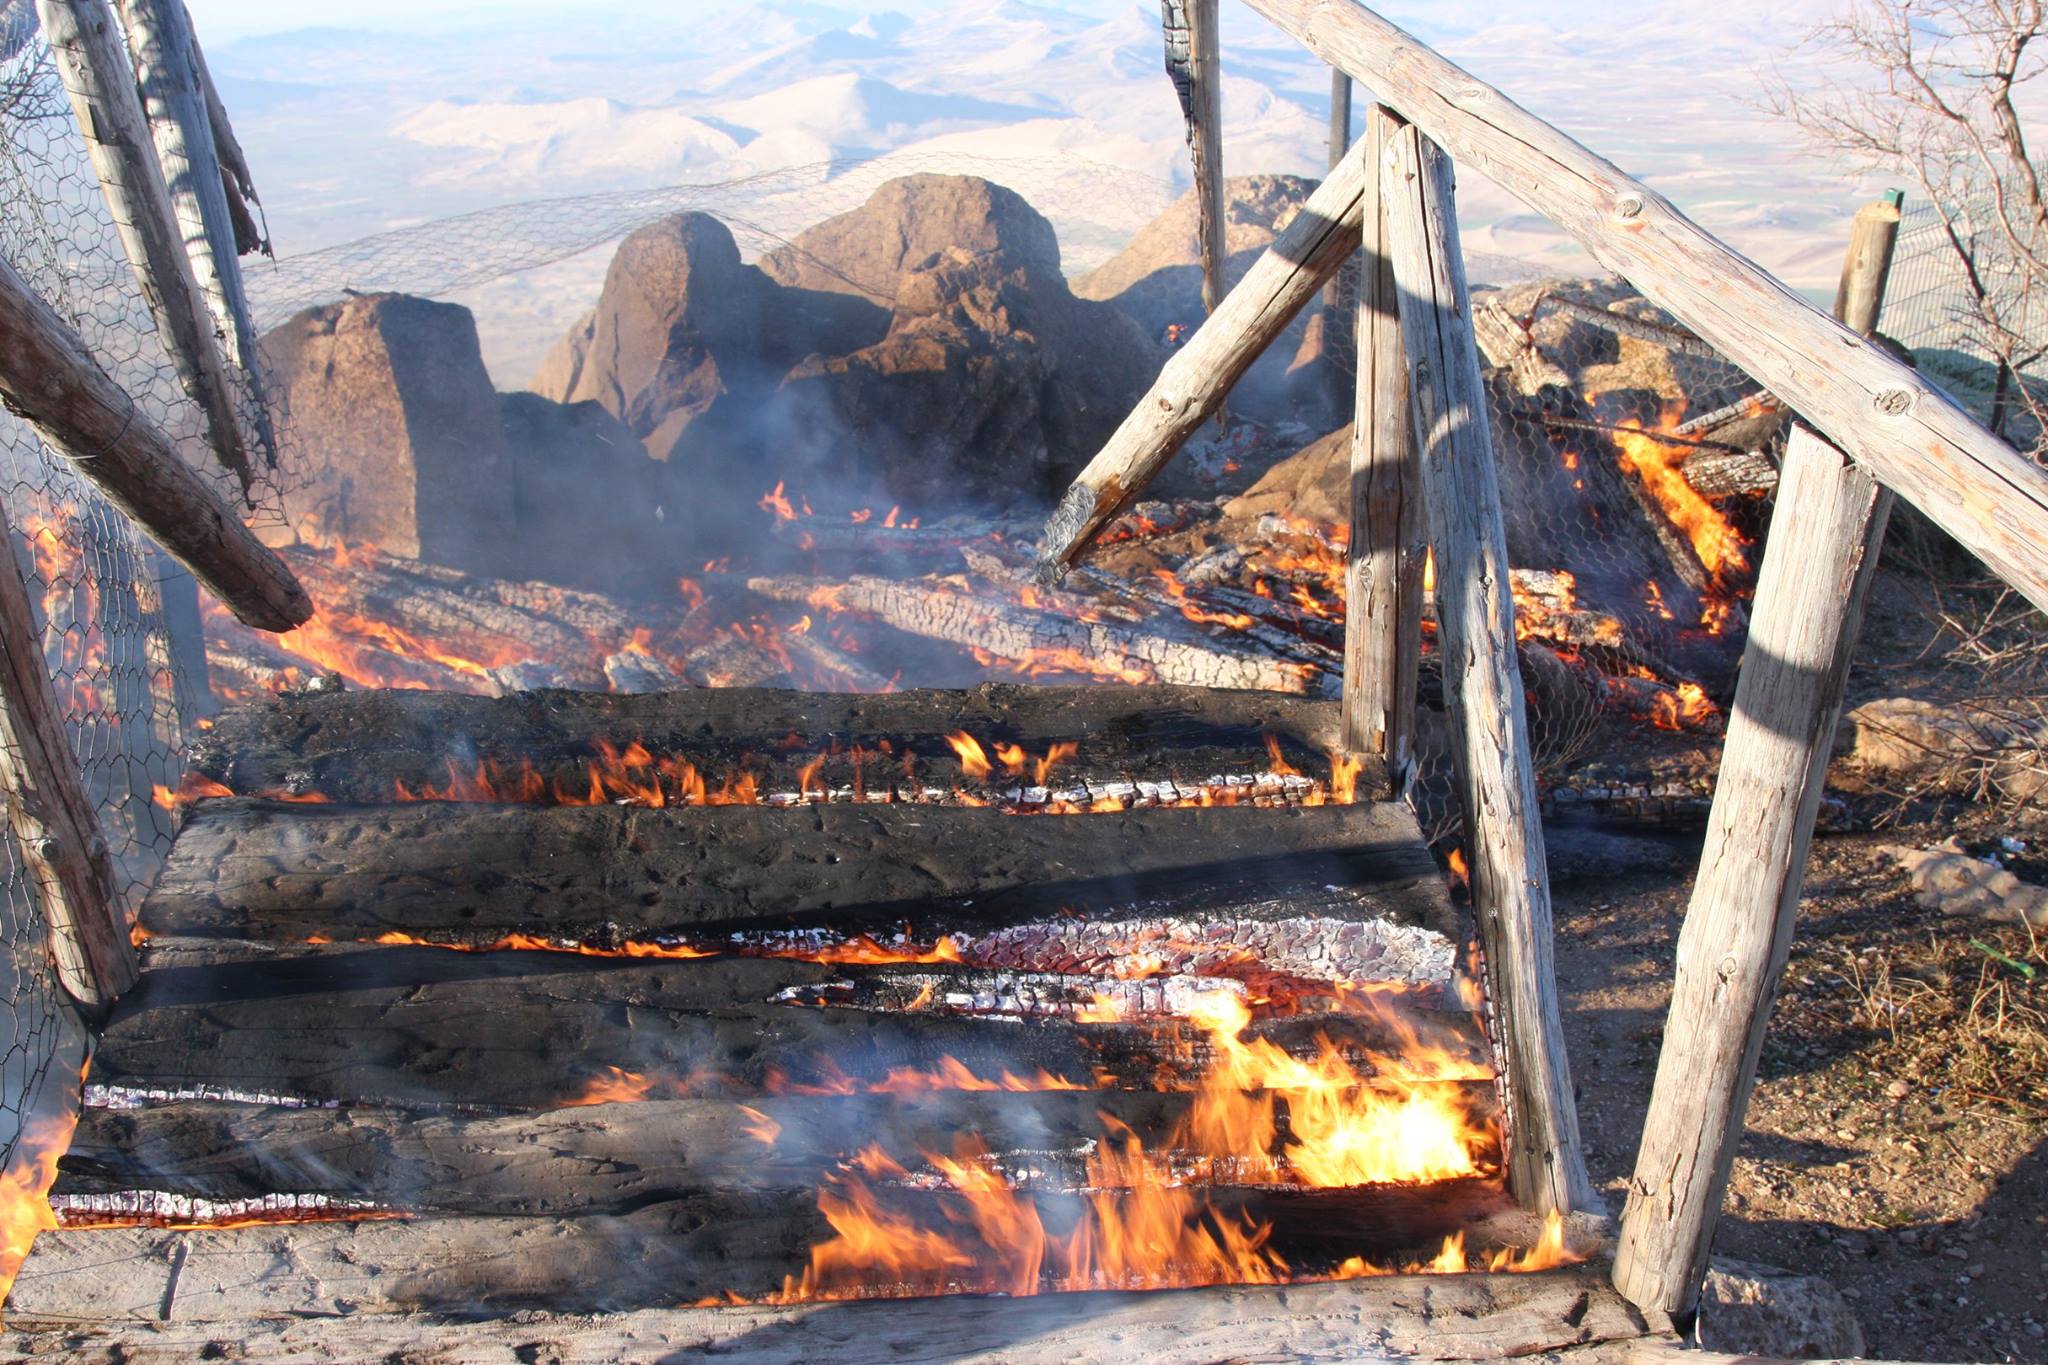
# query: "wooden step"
285,872
663,1254
353,745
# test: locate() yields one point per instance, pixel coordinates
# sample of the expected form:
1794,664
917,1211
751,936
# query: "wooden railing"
1421,433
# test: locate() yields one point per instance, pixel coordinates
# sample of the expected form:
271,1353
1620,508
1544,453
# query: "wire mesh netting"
1962,300
96,588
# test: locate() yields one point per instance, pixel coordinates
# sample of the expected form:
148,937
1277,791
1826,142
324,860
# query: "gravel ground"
1896,1139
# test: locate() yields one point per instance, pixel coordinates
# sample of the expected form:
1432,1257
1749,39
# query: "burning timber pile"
1633,462
864,1033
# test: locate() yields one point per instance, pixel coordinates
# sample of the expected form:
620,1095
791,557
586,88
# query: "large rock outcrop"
905,223
922,348
992,379
681,326
394,429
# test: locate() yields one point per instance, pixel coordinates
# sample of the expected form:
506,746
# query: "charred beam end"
1293,270
49,378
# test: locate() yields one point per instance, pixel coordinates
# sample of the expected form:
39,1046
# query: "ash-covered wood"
355,745
676,1251
1571,1314
613,1158
472,873
1156,651
534,1030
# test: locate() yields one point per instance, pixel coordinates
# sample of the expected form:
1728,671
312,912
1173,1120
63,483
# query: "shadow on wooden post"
1383,627
1824,536
1482,680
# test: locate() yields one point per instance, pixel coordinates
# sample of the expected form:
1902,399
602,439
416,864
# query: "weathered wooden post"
1482,681
1205,140
1340,143
94,65
167,76
1196,379
48,378
55,825
1873,237
1816,576
1383,623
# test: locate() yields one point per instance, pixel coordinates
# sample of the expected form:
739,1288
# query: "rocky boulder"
681,326
1313,483
906,222
394,429
992,379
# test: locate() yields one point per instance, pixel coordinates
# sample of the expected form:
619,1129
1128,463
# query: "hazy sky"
375,115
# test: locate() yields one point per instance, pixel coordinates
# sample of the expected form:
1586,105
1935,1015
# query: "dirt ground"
1898,1138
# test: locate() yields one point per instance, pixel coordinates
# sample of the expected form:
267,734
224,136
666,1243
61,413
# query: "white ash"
1310,947
1019,995
1253,789
99,1096
163,1206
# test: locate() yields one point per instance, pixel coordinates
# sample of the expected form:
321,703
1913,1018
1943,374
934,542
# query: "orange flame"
1659,465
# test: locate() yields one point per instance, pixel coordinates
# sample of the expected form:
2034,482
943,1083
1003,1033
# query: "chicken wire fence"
1967,305
96,587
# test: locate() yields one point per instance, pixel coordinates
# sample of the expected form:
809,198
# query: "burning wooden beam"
356,746
475,874
614,1156
50,379
1058,641
1470,1317
427,1027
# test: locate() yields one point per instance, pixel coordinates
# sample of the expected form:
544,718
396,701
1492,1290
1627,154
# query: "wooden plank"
49,378
85,41
473,874
1910,434
180,123
55,825
1825,532
198,1279
1383,628
1305,255
531,1030
1482,680
353,745
616,1157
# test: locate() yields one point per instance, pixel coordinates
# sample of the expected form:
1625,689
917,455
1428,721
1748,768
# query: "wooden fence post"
94,64
50,380
1816,576
167,77
1340,143
1196,378
1873,236
1383,626
1205,140
1482,680
57,828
